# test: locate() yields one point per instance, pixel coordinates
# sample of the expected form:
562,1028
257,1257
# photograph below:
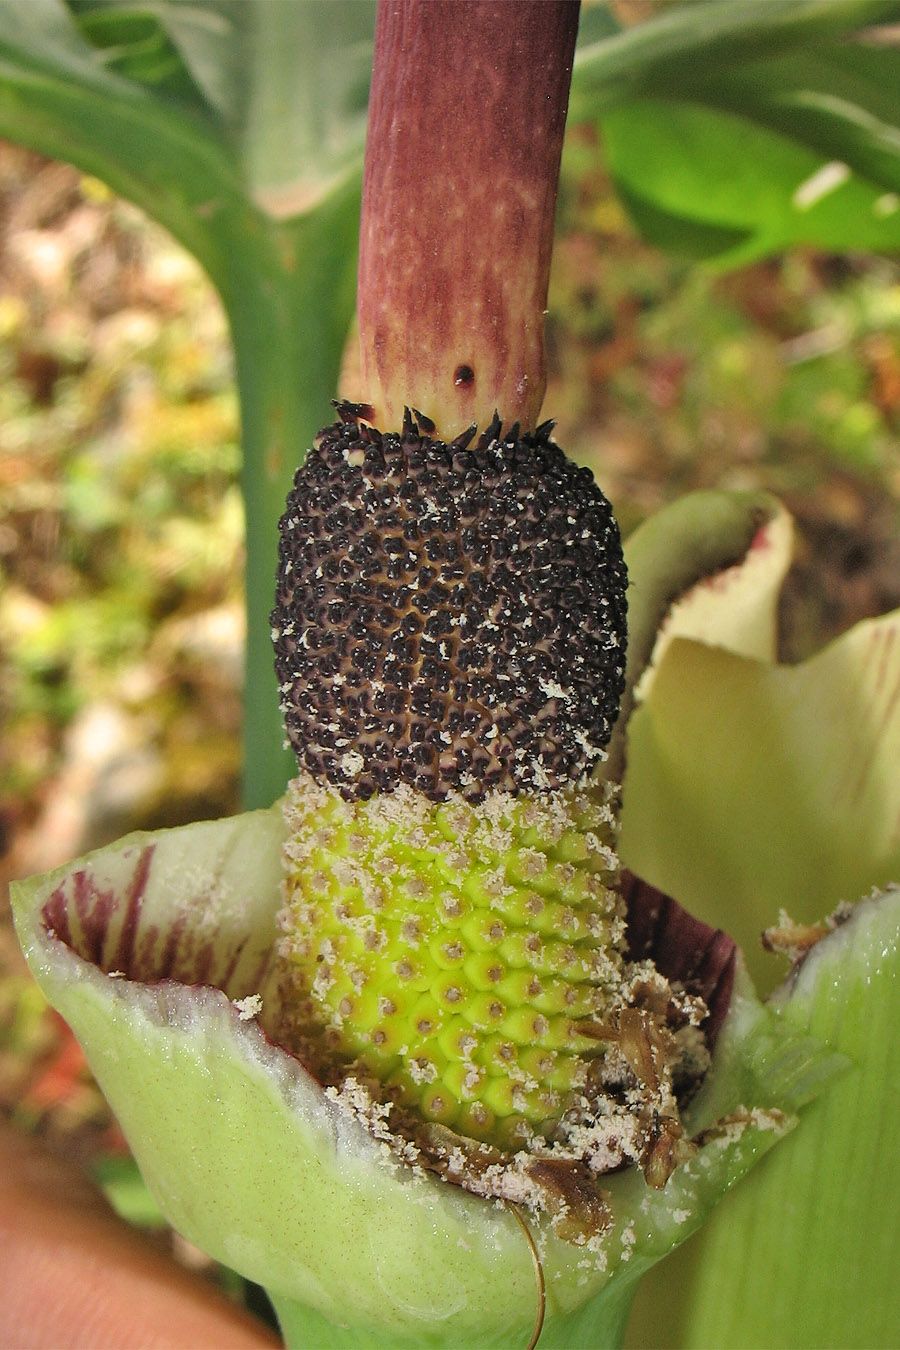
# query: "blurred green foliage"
120,512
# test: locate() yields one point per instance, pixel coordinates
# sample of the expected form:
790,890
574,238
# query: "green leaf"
57,96
676,165
687,237
290,82
283,260
282,87
741,129
687,43
300,95
135,45
837,98
193,43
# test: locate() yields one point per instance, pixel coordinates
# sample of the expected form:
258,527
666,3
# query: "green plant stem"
288,319
287,286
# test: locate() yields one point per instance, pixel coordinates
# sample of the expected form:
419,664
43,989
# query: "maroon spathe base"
685,950
110,929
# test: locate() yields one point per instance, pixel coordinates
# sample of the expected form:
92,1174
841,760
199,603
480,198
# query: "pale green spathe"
754,787
806,1255
254,1163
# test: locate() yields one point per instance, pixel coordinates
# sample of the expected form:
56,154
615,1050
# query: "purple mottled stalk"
466,122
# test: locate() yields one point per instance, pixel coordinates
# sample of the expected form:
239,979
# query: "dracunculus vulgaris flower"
159,952
164,951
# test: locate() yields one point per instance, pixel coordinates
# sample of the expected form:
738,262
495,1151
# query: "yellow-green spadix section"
456,950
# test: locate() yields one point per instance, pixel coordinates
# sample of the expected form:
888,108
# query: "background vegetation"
121,517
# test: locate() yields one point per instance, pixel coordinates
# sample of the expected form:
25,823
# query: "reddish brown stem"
466,122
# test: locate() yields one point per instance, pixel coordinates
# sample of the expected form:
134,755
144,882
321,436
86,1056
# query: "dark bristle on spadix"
447,616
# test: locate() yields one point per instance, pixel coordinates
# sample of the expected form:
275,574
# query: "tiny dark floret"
451,616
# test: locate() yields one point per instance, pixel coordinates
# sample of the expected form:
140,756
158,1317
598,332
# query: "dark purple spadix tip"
450,616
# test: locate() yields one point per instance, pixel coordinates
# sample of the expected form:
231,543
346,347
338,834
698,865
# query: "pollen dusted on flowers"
447,616
465,963
449,635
